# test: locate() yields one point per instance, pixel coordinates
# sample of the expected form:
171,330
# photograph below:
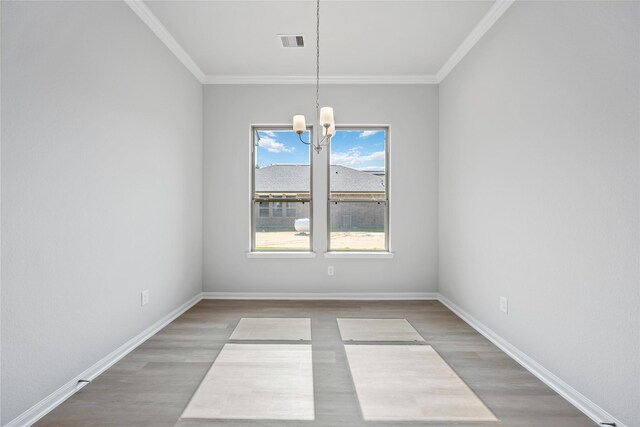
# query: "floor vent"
292,40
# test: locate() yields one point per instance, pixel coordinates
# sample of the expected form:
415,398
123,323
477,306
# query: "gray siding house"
293,181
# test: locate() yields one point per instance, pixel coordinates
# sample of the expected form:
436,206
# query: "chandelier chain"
317,59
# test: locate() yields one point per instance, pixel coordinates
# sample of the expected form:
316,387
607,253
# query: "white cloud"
273,146
354,158
368,133
270,133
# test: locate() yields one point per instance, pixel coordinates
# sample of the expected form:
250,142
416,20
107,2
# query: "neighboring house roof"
295,179
347,180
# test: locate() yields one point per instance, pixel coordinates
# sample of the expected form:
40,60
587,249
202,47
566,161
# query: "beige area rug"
257,381
411,383
284,329
377,330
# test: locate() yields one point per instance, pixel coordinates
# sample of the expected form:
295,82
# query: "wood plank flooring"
410,383
389,330
270,329
258,382
153,384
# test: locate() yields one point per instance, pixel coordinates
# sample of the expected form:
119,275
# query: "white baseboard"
581,402
573,396
364,296
50,402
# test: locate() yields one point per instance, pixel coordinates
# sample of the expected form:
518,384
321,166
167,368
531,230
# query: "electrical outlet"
330,270
504,305
144,297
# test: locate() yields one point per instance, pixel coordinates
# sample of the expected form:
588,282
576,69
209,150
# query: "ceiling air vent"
295,40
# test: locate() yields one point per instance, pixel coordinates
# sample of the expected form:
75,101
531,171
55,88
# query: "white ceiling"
359,39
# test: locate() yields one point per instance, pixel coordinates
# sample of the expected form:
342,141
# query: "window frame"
255,128
385,201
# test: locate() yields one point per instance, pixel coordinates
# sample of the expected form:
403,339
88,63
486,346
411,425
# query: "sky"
362,150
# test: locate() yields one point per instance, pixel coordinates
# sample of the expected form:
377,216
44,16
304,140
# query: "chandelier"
324,114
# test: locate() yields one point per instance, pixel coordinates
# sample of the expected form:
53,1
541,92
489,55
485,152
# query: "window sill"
275,254
361,255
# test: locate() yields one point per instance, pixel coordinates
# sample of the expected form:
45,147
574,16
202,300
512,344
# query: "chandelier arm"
302,140
325,141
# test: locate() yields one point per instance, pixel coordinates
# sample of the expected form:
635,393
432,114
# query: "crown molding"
152,21
487,21
491,17
305,80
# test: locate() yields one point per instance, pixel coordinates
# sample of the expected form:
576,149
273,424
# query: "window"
277,208
264,209
291,210
358,207
281,190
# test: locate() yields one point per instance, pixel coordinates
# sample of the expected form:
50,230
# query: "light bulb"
326,116
299,125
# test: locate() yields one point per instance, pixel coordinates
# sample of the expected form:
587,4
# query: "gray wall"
412,113
102,185
101,189
539,191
